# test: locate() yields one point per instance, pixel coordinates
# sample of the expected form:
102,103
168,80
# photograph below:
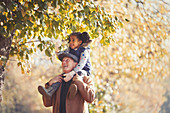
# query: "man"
61,100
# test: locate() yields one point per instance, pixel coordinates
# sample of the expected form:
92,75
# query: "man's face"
68,64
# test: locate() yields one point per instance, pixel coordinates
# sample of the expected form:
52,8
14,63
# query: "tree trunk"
5,45
1,81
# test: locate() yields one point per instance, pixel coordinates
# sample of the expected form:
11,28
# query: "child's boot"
49,91
72,91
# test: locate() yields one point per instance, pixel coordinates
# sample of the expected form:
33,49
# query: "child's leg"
50,90
82,73
73,87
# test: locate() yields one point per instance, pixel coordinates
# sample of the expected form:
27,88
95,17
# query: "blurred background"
131,73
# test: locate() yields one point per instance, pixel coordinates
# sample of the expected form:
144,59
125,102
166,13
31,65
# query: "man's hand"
69,76
58,78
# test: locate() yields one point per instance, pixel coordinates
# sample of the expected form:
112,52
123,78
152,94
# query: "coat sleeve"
86,88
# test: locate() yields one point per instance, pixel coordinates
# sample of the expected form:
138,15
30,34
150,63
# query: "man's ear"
75,64
80,42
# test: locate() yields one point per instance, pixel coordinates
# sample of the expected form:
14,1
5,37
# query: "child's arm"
83,59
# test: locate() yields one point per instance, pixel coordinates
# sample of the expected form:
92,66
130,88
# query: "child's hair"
81,36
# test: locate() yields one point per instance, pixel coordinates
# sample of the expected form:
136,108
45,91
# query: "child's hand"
78,78
58,78
69,76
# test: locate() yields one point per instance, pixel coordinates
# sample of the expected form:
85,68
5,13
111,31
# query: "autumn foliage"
130,65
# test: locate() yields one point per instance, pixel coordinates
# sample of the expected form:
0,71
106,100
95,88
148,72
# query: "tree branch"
29,42
165,2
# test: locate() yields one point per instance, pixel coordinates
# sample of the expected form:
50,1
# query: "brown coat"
79,103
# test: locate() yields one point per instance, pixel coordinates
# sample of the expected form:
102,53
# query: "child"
78,46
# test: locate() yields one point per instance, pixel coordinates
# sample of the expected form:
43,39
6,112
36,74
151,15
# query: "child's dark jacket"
78,52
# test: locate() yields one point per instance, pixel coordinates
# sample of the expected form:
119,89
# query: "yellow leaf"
1,63
5,13
100,102
22,70
5,27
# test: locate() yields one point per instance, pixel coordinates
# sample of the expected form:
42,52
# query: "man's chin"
66,70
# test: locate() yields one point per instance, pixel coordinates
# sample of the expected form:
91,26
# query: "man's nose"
64,62
71,42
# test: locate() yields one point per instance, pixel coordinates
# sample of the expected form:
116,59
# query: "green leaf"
27,57
116,18
126,20
79,14
55,3
47,15
39,38
41,16
66,4
19,64
55,23
30,5
120,24
40,46
86,9
52,46
49,35
31,51
21,54
19,26
48,53
29,23
73,28
61,2
35,49
93,13
33,17
51,59
19,15
74,11
36,29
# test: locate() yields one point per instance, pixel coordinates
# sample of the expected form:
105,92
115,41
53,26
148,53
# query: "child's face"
74,42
